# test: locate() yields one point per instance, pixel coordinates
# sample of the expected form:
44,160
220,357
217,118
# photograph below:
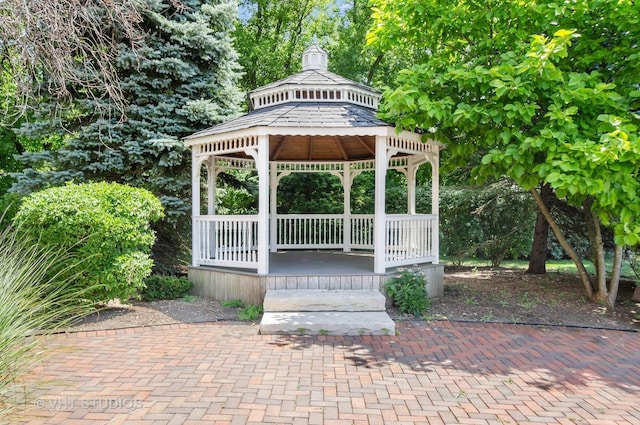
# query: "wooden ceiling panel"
321,148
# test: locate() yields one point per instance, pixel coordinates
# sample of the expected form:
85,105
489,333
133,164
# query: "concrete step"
323,300
327,323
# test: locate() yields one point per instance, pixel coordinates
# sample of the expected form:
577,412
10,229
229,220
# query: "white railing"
227,240
307,231
362,231
411,239
323,231
231,240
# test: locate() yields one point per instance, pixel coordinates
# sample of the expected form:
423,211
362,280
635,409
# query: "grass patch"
554,266
233,304
250,313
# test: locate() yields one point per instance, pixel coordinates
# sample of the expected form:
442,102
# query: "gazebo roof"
300,114
314,115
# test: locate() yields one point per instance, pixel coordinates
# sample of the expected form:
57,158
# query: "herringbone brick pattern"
432,373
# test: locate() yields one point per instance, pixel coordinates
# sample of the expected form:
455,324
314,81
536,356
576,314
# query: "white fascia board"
387,131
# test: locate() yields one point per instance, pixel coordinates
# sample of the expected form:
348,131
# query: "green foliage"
8,163
9,205
306,193
492,222
158,287
408,291
233,304
38,296
237,192
183,78
544,93
634,263
250,313
271,35
106,225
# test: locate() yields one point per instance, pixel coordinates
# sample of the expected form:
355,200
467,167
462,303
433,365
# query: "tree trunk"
597,251
584,276
538,256
616,270
373,68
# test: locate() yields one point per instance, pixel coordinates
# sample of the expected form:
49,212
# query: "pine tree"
181,80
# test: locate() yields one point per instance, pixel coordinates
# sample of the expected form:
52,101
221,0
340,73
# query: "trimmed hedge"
165,288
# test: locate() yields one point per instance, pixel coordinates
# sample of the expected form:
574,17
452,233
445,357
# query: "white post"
273,224
412,170
435,203
211,204
195,207
211,186
262,165
346,221
380,217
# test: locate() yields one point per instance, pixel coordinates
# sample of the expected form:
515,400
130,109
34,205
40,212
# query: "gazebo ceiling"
321,148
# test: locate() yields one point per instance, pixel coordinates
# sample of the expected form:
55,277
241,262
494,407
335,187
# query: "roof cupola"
314,58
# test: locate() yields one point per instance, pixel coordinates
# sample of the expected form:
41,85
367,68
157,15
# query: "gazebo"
311,122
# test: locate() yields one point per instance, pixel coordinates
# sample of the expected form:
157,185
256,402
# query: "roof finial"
314,58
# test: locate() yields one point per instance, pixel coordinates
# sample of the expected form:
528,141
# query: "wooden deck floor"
292,263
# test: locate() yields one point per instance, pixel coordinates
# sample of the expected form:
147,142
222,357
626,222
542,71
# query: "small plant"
189,298
233,304
323,332
408,291
250,313
502,298
527,301
301,331
486,318
165,288
471,301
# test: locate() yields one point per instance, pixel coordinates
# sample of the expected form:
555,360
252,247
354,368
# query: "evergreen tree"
181,80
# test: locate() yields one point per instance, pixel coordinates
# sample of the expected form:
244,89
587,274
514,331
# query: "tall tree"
50,45
271,35
352,58
543,92
182,79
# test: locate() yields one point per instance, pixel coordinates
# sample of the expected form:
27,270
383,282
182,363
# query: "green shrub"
38,296
233,304
250,313
408,291
9,205
105,225
493,222
165,288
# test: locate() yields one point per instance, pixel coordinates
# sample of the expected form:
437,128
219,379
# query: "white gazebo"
311,122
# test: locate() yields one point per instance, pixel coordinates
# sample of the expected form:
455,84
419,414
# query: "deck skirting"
224,285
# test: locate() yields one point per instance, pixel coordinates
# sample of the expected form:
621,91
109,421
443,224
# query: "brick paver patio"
432,373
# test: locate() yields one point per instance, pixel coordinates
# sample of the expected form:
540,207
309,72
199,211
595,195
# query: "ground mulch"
485,295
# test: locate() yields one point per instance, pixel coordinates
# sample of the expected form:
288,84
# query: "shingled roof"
329,110
298,114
